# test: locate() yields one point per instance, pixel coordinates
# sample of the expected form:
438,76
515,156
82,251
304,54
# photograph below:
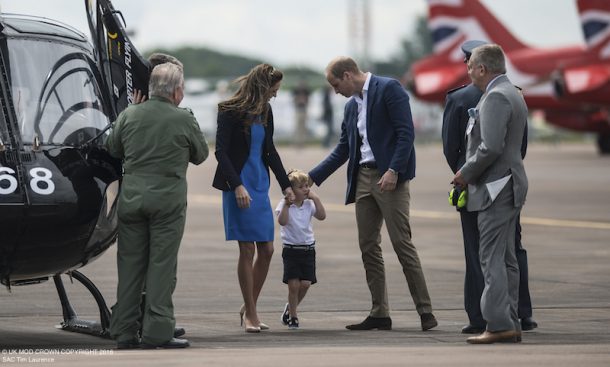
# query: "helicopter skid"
71,321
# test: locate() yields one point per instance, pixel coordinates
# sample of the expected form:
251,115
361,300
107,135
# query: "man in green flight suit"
156,141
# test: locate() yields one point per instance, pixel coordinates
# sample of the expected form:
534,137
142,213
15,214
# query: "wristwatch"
392,170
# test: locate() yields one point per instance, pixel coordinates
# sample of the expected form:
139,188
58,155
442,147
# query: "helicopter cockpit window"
56,95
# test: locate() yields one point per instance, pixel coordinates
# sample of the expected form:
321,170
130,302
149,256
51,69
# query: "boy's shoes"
286,315
293,323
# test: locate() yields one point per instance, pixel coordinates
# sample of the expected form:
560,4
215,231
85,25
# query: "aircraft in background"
587,80
59,94
452,22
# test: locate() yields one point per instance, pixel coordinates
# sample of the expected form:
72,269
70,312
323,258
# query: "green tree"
414,47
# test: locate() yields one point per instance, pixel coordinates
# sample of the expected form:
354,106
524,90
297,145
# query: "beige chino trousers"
373,207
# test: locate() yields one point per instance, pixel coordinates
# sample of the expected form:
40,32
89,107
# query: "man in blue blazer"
377,138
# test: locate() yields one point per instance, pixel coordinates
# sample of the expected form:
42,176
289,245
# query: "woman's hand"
242,196
289,195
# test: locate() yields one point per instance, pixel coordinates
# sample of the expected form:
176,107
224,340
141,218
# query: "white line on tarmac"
209,200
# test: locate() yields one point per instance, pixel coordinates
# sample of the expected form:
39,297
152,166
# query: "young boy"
299,253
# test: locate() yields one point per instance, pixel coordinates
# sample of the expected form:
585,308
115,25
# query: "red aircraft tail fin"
452,20
595,21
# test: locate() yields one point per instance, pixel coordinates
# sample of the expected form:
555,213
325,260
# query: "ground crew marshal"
156,140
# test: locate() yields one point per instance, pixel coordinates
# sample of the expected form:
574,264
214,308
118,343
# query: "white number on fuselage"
40,183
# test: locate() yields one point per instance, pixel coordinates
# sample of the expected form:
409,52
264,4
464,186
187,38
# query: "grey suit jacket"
494,145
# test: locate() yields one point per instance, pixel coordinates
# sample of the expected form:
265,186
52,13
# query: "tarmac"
566,231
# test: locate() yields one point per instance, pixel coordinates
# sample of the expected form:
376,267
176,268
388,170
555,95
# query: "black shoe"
129,344
428,321
293,323
471,329
370,323
285,315
178,332
173,343
527,323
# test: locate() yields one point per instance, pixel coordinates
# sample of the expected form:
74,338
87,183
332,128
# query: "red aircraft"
587,80
454,21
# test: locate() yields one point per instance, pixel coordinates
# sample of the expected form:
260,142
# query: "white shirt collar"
365,87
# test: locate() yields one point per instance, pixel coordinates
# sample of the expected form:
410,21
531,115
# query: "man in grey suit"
455,121
497,187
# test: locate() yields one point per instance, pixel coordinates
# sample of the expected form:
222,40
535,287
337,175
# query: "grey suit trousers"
499,262
373,207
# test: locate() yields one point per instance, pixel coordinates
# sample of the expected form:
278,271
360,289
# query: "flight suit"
156,141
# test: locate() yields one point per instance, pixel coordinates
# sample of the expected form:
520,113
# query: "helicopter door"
11,176
123,68
11,192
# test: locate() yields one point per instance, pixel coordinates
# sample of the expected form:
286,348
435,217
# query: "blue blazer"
390,133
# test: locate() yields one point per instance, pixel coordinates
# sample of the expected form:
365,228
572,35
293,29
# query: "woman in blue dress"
245,152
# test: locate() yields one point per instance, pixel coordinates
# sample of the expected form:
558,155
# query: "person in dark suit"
245,152
377,138
455,119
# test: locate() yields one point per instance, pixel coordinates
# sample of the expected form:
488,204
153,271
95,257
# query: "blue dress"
255,223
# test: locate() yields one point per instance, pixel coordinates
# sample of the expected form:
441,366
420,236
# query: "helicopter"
59,94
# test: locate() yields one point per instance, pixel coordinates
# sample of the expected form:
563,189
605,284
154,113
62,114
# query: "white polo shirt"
298,230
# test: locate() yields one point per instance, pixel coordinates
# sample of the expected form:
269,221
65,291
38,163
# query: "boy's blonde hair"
297,177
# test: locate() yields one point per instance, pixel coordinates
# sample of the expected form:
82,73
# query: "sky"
298,32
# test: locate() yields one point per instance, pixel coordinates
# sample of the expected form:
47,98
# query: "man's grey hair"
165,79
159,58
491,56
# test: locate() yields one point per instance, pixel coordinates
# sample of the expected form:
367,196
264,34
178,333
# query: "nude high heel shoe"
250,329
242,311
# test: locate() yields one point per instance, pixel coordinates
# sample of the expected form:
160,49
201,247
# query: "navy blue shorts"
299,264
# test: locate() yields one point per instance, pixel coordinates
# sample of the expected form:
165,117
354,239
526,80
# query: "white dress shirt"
366,154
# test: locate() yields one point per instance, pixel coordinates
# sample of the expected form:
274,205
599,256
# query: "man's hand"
388,181
138,96
459,180
242,196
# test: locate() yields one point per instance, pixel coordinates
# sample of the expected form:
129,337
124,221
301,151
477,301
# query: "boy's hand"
312,195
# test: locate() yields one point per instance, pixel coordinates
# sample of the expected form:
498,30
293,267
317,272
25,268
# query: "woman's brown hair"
252,95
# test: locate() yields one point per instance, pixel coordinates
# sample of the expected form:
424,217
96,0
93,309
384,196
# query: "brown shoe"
490,337
428,321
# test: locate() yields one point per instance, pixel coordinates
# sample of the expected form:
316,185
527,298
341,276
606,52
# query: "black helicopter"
59,94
